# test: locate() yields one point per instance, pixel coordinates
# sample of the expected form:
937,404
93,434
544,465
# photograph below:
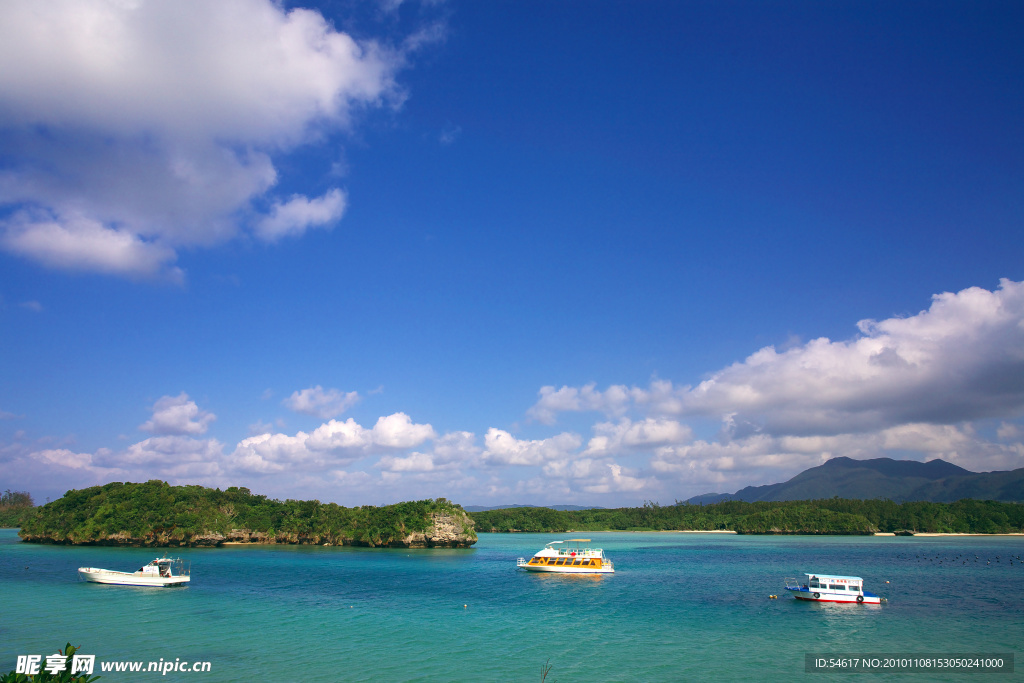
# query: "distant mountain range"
898,480
483,508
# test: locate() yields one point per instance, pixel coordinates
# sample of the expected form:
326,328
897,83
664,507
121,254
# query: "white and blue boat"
163,572
832,588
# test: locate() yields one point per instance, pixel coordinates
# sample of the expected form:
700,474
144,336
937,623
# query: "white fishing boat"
570,557
161,572
831,588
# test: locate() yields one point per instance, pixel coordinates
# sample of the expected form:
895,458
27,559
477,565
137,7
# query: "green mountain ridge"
934,481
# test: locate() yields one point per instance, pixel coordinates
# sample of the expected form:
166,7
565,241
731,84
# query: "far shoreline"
931,533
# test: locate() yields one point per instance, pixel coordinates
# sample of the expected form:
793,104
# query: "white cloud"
613,401
398,431
618,479
172,456
1008,430
321,403
501,448
450,451
270,453
63,457
628,435
75,242
178,415
962,359
331,444
294,217
414,462
132,129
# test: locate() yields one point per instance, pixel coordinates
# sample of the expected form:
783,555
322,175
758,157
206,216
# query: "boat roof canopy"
829,577
578,540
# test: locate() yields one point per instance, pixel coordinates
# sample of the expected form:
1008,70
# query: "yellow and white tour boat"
568,557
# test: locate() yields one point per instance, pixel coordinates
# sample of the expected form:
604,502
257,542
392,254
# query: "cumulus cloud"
450,451
910,386
169,457
552,401
334,444
178,415
74,242
63,457
629,435
961,359
502,448
318,402
298,214
132,129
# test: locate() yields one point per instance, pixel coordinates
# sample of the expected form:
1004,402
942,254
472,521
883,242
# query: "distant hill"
484,508
898,480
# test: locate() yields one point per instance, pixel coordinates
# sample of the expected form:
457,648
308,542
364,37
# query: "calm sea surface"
679,607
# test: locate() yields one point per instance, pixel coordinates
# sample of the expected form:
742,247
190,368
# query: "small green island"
157,514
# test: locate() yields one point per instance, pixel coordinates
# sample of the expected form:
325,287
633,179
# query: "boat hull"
95,575
809,596
567,570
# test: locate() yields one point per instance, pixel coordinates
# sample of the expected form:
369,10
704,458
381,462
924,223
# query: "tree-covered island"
829,516
15,507
158,514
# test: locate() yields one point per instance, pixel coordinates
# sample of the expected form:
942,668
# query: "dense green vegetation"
829,516
156,510
15,508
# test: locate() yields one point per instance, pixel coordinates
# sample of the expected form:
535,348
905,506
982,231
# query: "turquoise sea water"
679,607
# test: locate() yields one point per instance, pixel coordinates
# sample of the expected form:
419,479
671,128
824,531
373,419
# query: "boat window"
814,583
837,587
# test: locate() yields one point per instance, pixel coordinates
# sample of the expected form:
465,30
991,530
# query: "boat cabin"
163,566
829,583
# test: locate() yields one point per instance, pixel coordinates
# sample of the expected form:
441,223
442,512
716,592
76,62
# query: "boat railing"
792,584
178,567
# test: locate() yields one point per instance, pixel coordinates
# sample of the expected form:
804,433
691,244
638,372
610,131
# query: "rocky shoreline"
446,531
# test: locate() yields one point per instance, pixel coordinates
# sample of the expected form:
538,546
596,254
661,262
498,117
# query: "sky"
577,252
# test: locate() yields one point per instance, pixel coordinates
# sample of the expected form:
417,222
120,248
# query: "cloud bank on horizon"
133,130
945,383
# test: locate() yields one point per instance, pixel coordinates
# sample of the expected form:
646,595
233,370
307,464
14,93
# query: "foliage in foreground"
828,516
157,508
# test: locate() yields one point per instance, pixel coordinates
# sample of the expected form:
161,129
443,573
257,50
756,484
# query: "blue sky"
534,252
